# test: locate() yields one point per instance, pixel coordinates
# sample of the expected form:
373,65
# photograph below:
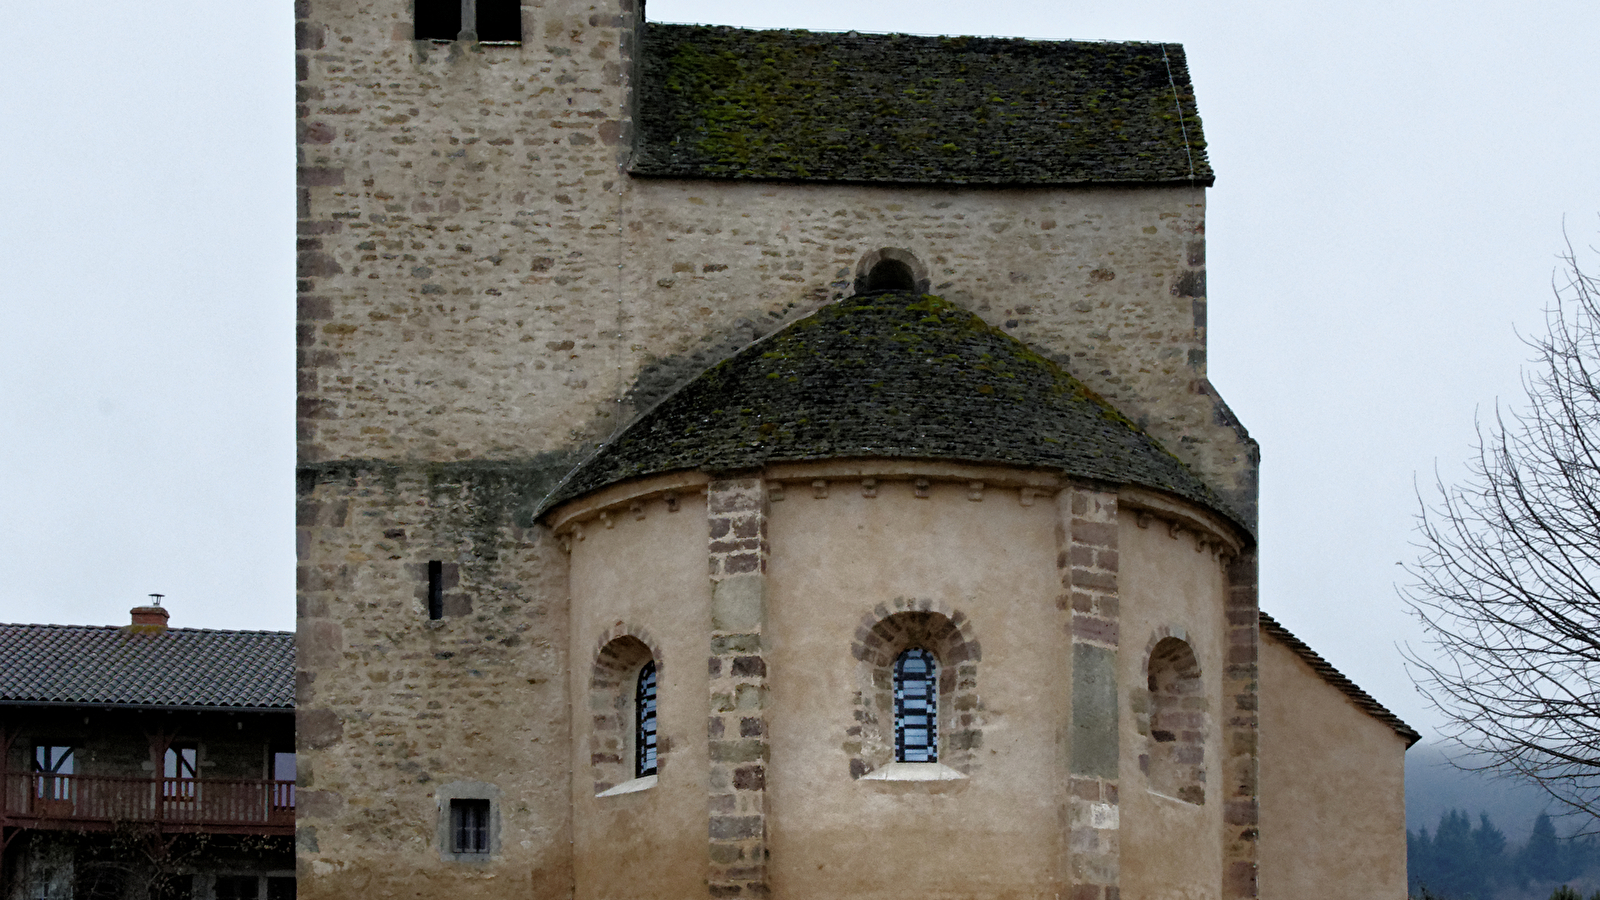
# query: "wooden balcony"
98,802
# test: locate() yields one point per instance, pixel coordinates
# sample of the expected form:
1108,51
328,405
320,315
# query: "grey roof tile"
910,109
104,665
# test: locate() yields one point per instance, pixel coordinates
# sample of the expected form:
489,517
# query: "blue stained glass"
645,707
916,707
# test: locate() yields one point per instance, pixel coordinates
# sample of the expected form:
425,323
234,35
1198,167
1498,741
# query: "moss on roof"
888,375
796,105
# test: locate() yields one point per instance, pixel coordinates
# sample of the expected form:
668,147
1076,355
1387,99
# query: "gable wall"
1332,789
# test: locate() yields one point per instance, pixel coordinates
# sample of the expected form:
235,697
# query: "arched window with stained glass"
916,707
644,705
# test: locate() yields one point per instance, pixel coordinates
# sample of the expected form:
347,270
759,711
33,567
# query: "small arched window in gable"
644,706
916,707
891,275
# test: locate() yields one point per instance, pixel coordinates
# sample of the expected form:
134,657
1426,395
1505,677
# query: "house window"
283,774
181,769
644,705
469,826
51,763
916,707
280,887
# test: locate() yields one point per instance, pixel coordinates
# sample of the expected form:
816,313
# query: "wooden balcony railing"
65,801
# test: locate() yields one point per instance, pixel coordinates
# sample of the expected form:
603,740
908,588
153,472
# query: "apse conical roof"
888,375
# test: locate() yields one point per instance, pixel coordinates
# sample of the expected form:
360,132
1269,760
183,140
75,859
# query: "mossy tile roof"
907,109
887,375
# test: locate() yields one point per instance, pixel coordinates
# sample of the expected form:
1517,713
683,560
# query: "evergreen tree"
1455,871
1419,861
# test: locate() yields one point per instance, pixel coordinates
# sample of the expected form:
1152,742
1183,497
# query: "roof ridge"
168,630
1363,700
867,32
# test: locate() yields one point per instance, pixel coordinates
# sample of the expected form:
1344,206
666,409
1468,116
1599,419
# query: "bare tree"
1507,579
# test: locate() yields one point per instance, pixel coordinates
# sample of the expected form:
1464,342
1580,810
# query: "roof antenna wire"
1175,102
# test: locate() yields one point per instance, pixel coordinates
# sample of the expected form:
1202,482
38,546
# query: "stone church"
782,464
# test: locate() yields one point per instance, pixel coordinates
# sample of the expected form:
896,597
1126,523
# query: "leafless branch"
1506,582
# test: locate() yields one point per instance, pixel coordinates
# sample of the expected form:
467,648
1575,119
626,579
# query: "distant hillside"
1433,787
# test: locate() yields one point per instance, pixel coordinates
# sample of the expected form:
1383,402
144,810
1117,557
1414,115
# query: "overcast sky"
1394,182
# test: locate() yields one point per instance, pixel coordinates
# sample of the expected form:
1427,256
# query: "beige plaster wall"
833,560
1332,789
646,577
1171,850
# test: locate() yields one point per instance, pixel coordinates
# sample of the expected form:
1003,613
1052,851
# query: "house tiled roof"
909,109
183,667
893,375
1325,669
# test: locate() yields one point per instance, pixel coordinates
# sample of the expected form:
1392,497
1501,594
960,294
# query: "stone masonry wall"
393,706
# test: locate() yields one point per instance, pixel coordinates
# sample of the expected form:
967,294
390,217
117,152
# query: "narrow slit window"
645,712
469,826
499,21
916,707
435,589
437,20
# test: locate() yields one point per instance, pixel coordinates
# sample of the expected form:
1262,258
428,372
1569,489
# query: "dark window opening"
181,768
238,887
500,21
437,20
469,826
435,589
645,708
283,772
916,707
280,887
53,766
891,275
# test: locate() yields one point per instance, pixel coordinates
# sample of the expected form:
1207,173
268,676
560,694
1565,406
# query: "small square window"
499,21
437,20
469,826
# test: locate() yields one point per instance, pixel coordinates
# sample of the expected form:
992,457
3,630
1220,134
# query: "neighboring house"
146,762
780,464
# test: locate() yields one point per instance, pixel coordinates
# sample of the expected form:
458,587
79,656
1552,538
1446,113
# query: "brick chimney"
150,619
